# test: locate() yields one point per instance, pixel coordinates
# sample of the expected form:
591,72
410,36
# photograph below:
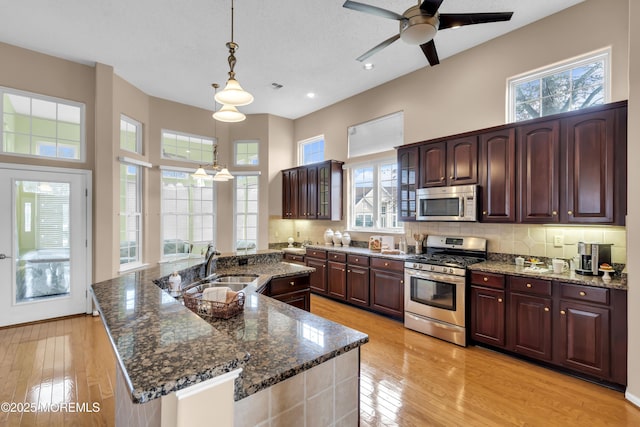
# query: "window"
130,134
188,148
573,85
311,150
188,214
374,195
246,189
376,136
130,215
246,153
41,126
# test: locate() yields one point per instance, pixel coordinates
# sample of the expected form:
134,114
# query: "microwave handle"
461,209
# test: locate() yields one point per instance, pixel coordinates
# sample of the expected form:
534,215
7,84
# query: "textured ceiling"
176,49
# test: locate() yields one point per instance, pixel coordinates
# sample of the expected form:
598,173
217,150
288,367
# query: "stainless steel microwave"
457,203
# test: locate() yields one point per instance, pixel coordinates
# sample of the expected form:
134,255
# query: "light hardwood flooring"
408,379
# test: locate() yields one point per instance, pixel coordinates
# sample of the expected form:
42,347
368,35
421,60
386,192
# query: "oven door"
436,296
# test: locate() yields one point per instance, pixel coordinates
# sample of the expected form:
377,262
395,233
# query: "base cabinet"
530,325
488,318
293,290
387,286
318,279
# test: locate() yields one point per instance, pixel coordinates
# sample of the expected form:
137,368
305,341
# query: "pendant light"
232,95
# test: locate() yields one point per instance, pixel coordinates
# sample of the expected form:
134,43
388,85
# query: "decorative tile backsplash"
522,239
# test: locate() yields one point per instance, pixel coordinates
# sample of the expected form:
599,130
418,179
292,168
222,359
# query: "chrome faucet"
211,254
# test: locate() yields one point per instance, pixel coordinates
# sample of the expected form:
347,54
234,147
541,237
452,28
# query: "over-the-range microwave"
457,203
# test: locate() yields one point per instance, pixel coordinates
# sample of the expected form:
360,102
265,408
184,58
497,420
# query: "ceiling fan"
419,24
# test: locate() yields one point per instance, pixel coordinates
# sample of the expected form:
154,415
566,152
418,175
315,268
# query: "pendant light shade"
223,175
233,94
229,113
200,174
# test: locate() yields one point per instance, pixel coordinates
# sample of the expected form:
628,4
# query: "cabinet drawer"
337,256
358,260
283,285
298,259
529,285
584,293
490,280
316,253
387,264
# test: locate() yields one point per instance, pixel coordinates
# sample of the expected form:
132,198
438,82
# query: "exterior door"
45,262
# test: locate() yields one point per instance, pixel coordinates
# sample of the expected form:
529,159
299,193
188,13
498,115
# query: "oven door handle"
443,278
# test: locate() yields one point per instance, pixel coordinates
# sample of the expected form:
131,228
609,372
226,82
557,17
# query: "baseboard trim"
632,398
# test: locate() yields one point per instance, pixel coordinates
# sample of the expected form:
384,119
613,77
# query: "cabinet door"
286,194
530,326
433,161
462,161
488,316
497,176
589,157
303,208
358,285
318,279
407,182
337,280
539,176
584,338
312,192
300,299
387,292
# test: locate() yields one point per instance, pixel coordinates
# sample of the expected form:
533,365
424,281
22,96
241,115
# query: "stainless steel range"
434,294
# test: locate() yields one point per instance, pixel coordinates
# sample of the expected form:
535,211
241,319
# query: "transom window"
374,196
311,150
40,126
130,134
573,85
246,153
188,148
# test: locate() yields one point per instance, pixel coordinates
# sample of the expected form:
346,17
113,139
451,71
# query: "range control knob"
432,268
416,266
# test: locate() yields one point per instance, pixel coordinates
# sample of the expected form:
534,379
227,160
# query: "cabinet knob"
451,177
562,312
570,212
554,213
582,293
442,178
401,282
324,266
342,269
484,212
499,299
486,279
348,271
386,264
546,309
292,283
528,285
357,259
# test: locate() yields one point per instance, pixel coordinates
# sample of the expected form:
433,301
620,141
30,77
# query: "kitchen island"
281,362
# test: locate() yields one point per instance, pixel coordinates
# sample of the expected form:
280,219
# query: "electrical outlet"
558,241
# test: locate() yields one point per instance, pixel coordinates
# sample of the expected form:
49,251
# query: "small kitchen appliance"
434,294
591,256
457,203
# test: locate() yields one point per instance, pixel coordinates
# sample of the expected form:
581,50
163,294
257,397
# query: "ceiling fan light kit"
418,28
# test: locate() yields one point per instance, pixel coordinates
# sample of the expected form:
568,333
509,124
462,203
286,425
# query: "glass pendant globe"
229,113
233,94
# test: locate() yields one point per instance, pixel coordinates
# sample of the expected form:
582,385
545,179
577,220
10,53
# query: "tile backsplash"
521,239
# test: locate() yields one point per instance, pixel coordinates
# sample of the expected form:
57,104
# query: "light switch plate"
558,241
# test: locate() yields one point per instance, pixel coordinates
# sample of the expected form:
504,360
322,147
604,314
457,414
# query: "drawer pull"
486,279
348,271
583,293
484,212
528,285
499,299
546,309
386,264
357,260
402,282
562,312
570,212
292,283
554,213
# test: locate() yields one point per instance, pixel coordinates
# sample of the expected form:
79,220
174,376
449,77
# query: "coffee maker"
590,256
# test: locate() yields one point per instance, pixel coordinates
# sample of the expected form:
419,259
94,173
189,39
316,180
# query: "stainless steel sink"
236,279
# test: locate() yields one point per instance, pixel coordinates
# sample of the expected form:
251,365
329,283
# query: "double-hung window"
130,134
246,211
36,125
374,196
130,215
573,85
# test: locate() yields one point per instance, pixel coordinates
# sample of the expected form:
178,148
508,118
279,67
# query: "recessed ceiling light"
368,66
311,95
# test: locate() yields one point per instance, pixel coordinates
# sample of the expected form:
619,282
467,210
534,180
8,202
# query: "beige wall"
633,216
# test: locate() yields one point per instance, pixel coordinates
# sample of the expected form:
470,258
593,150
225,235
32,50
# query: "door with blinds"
44,252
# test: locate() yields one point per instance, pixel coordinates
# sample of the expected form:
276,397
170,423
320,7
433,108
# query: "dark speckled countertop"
163,347
617,282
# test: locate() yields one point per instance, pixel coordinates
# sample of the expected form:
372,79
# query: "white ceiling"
175,49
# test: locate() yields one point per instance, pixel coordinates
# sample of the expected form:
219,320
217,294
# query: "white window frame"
190,214
351,215
82,143
238,212
310,141
540,73
376,136
137,126
235,152
138,261
190,137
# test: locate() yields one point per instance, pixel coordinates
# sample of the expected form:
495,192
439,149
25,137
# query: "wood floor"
408,379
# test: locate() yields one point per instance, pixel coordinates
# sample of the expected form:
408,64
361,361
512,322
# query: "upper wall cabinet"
313,191
407,182
498,175
453,162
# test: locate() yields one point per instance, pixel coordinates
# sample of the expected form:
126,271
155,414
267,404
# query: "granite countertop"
359,251
162,346
617,282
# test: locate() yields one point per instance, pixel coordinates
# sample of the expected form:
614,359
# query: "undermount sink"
235,279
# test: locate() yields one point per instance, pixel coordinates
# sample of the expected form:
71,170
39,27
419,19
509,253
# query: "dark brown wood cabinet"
358,280
488,312
407,182
433,164
313,191
453,162
337,275
539,172
498,175
293,290
387,286
294,258
317,259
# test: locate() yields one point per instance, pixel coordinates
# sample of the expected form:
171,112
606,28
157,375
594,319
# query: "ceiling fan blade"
448,20
430,6
378,48
373,10
429,49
